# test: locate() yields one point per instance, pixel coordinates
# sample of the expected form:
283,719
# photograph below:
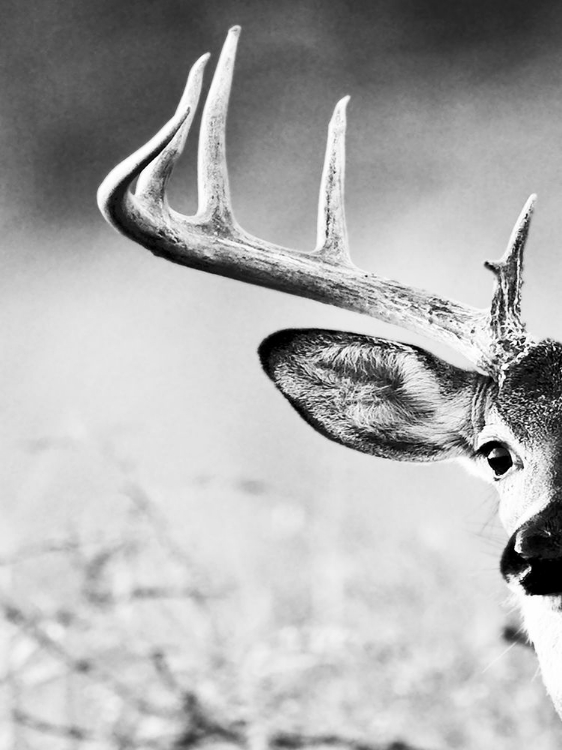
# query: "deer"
502,418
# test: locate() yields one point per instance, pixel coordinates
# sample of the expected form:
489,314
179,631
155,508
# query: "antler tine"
508,330
212,240
332,243
214,192
114,197
133,215
153,180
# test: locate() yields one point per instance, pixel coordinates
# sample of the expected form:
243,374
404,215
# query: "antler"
213,241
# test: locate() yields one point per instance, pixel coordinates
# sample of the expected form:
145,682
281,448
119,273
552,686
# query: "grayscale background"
347,594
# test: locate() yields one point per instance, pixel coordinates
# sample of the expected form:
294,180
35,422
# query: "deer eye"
498,456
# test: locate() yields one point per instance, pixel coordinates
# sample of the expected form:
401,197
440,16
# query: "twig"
295,741
29,721
167,592
164,671
141,500
203,728
53,547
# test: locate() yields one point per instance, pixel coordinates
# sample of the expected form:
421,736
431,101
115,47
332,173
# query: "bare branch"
58,730
33,627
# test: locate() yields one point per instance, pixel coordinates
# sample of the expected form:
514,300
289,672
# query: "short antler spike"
332,231
508,329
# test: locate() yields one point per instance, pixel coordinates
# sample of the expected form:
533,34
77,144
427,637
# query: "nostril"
539,544
536,544
513,565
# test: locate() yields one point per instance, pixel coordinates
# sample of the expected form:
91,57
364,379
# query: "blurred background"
348,594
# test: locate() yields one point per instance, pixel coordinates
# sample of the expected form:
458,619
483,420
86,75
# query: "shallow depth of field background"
159,499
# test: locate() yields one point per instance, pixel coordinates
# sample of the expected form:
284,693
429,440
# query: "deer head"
381,397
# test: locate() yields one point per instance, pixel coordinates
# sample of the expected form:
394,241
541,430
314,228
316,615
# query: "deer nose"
532,558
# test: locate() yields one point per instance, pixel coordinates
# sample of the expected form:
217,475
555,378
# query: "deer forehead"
529,400
525,411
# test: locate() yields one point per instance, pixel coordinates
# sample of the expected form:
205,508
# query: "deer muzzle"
532,559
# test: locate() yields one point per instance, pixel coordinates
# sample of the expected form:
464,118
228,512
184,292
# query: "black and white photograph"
281,375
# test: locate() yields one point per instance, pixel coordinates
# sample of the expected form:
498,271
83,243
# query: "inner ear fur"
377,396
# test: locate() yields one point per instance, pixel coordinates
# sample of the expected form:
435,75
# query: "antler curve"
213,241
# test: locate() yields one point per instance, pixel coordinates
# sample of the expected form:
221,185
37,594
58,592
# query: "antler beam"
213,241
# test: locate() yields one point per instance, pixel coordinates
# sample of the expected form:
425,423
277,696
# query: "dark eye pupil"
499,459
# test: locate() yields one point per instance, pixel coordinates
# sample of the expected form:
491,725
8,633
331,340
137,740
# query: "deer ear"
376,396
